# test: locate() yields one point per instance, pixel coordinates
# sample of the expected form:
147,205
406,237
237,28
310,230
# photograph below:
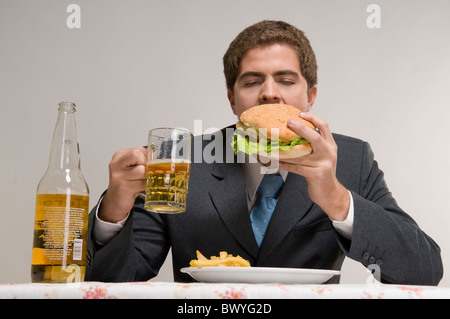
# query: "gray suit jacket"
299,235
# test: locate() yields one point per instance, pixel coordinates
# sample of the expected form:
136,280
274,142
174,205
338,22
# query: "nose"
270,93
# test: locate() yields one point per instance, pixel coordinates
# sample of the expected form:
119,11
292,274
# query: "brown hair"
266,33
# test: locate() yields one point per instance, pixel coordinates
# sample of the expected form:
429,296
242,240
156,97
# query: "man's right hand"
126,180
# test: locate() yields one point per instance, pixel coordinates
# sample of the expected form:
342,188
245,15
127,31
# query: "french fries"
224,260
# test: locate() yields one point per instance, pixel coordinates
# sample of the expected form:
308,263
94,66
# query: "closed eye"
251,83
286,82
286,77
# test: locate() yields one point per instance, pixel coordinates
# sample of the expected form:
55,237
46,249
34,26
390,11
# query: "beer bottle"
62,207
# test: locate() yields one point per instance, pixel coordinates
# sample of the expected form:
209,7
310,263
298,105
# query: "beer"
168,166
62,207
167,185
60,238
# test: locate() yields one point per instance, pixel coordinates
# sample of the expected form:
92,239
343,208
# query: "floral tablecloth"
172,290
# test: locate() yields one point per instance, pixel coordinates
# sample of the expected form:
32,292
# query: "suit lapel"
229,198
293,203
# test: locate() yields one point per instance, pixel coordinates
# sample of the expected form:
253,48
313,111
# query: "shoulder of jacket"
339,138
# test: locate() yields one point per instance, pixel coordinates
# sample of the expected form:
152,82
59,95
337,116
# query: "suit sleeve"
136,253
384,235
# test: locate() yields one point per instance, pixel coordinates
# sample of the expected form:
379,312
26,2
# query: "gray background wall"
135,65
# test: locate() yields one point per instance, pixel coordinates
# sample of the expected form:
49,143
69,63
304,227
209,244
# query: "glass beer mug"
168,169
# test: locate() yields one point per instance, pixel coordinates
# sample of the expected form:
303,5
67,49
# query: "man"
334,202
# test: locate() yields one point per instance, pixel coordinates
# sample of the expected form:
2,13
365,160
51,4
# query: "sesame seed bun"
270,120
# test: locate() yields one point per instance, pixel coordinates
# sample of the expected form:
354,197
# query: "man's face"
271,75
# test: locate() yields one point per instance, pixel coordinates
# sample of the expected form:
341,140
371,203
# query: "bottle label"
60,229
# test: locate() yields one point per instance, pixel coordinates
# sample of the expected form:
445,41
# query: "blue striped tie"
265,204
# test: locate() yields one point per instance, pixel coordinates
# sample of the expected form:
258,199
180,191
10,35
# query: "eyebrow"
250,74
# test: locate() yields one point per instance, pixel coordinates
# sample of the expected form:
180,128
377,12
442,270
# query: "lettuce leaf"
243,144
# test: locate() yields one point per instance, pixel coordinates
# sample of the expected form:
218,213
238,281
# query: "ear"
312,94
230,96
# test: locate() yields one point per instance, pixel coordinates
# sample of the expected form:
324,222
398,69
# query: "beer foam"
168,160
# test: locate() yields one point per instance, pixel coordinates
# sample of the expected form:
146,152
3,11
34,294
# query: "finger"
306,160
136,173
129,158
305,131
136,156
304,170
128,166
322,125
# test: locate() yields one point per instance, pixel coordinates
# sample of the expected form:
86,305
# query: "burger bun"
274,116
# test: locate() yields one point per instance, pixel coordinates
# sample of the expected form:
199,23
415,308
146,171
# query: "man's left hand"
319,167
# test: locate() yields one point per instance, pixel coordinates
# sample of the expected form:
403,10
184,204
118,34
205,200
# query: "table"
172,290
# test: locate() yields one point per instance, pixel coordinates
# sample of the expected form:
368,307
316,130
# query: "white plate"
260,275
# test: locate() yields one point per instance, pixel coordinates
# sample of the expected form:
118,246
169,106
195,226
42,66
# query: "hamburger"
263,130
